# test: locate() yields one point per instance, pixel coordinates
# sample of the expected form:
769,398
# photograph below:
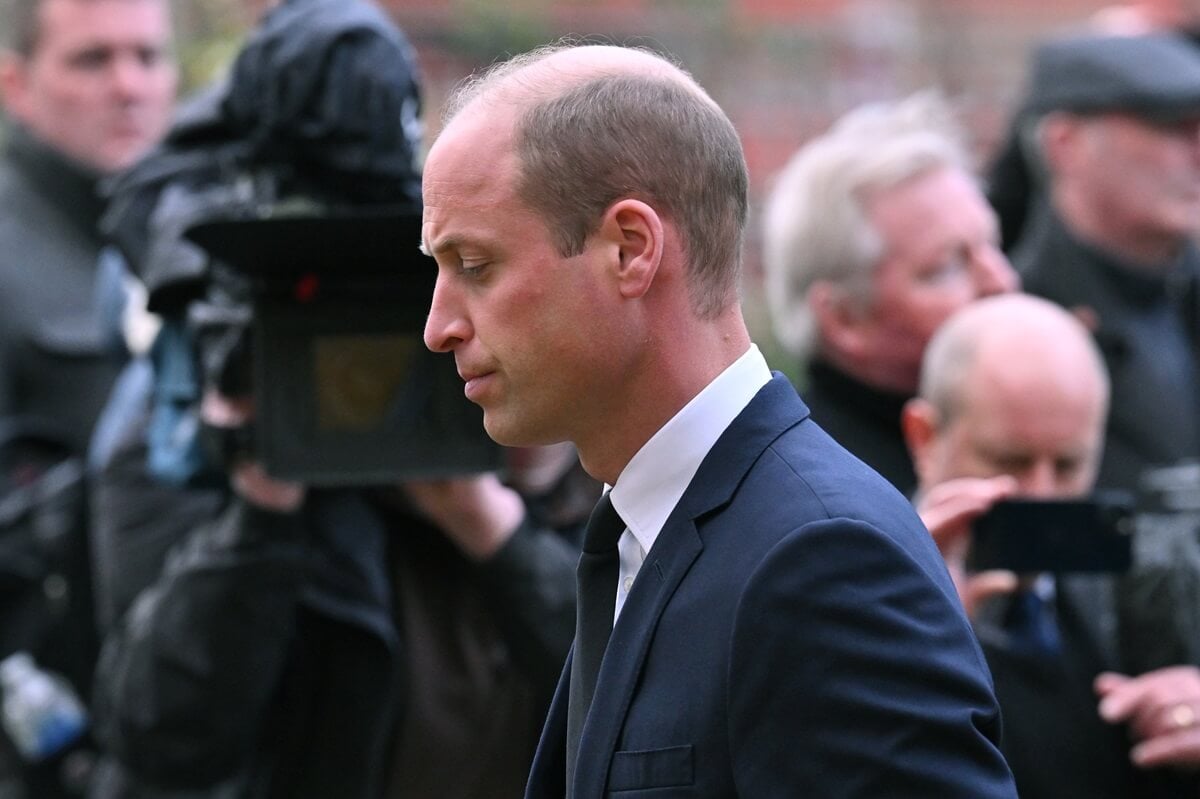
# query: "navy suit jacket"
793,632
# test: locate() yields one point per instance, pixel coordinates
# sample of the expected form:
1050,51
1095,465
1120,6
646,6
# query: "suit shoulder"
825,472
804,479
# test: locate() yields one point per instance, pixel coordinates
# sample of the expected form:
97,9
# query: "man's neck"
665,382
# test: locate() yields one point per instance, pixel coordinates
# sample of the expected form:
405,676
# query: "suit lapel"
548,773
657,580
773,410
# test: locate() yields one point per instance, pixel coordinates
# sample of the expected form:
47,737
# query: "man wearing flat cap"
1118,132
1115,123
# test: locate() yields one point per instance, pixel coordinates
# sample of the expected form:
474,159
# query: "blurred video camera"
1108,531
1158,605
276,230
344,389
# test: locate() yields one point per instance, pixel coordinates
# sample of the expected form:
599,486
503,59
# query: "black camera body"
1106,532
1091,534
345,391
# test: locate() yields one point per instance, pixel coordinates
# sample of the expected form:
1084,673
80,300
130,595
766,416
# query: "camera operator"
313,642
277,639
1012,403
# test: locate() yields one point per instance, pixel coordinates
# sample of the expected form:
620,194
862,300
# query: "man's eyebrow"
445,245
454,243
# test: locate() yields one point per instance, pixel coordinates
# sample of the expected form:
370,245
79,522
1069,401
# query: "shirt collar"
653,482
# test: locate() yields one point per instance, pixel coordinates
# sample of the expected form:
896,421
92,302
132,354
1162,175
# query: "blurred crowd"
178,621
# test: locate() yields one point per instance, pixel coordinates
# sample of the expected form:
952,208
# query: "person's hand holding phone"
948,510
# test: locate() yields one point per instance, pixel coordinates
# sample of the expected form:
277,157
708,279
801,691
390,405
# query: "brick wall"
782,69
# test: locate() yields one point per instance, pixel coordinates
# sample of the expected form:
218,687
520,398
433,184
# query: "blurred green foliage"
208,35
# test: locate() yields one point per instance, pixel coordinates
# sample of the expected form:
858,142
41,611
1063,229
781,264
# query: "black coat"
56,360
274,655
862,419
57,363
1054,738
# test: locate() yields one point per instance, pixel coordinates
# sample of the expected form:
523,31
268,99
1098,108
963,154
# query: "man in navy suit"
784,625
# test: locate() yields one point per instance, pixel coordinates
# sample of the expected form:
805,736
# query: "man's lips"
475,382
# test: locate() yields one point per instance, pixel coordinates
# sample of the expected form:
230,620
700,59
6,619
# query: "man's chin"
510,432
499,431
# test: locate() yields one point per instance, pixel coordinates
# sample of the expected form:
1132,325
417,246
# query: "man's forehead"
118,18
463,177
105,8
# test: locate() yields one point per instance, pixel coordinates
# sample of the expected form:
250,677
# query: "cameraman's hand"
948,511
248,478
257,487
477,513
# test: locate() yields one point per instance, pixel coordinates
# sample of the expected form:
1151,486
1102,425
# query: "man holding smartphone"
1012,404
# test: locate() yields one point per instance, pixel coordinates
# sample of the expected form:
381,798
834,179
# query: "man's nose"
1039,481
129,75
446,327
993,273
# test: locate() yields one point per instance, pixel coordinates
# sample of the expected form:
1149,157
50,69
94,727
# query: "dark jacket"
277,655
1054,738
862,419
55,357
331,652
57,362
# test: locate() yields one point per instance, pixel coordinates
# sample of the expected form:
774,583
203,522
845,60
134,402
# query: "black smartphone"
1093,534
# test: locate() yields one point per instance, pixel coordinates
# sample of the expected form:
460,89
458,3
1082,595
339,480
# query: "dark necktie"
1031,627
597,595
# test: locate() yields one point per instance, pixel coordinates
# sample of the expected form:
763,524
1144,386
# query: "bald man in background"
1013,402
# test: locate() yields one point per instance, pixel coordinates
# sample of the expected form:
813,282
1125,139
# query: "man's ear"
920,423
635,232
12,84
841,326
1059,138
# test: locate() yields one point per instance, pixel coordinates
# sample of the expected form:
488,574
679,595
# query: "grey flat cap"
1153,75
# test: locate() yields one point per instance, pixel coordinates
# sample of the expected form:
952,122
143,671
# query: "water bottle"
41,713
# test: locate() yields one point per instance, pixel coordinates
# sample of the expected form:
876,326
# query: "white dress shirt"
653,482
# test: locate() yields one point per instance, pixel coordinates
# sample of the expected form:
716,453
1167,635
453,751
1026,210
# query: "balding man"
783,624
1013,401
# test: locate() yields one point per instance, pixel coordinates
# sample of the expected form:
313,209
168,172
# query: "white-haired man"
874,233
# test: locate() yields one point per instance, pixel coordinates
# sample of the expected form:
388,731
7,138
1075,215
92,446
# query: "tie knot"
604,527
